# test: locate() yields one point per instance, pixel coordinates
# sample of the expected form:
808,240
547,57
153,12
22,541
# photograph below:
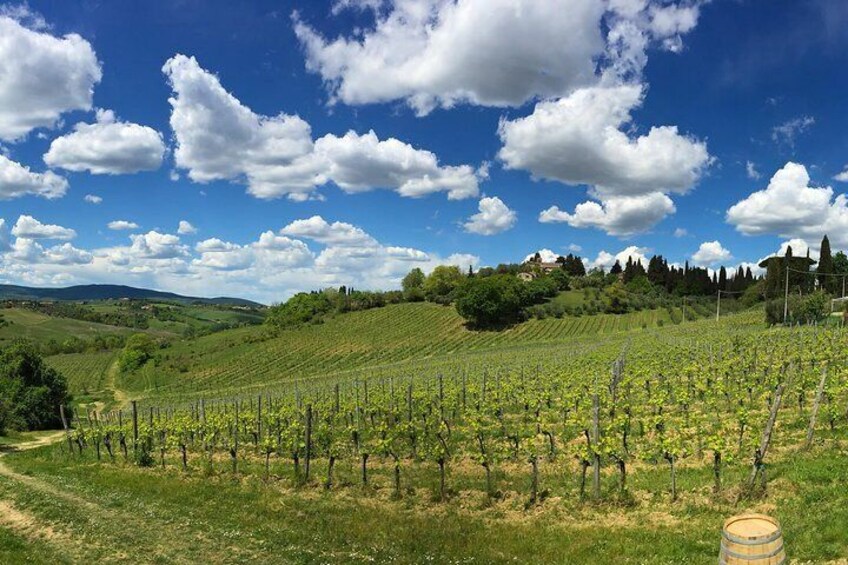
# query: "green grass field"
42,328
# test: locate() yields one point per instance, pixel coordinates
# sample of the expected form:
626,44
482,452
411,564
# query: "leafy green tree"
491,301
138,350
561,278
440,285
413,285
30,391
299,309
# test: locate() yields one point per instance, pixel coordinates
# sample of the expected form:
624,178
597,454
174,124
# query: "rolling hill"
110,292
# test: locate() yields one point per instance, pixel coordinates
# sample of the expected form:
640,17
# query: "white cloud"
574,248
788,131
107,147
122,225
43,75
605,260
440,53
185,228
621,216
28,227
92,199
220,138
270,268
799,248
751,171
155,245
494,217
579,140
17,180
711,253
680,232
843,176
791,208
547,256
338,234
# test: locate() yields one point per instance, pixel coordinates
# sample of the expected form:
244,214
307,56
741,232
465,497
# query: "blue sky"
705,131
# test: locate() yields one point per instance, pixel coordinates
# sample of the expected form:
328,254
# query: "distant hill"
109,292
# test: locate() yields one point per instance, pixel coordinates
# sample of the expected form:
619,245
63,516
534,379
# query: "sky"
257,149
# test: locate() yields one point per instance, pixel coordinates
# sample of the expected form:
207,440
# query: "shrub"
491,301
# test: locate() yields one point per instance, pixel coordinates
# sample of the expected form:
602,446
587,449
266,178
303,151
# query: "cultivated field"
437,444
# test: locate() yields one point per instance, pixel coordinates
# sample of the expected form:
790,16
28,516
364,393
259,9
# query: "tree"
30,391
300,309
573,265
138,350
616,268
825,269
491,301
442,282
413,285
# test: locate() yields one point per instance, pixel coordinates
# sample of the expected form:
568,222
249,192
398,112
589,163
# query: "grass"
98,512
42,328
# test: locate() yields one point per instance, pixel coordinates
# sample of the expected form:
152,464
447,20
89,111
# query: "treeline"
508,293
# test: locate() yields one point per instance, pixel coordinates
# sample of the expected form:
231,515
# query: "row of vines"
653,401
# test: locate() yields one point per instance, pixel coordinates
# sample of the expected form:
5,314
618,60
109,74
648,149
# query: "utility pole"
786,297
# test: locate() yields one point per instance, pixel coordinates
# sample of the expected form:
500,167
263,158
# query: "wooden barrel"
751,539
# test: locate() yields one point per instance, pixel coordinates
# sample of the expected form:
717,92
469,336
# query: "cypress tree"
825,268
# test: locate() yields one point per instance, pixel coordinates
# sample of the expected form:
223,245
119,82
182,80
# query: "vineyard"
696,414
365,342
86,372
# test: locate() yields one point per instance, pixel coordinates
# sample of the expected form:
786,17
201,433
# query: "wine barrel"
751,539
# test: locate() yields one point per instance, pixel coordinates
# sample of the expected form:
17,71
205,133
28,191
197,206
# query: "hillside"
369,341
110,292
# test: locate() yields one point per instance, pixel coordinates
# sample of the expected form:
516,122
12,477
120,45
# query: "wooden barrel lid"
752,527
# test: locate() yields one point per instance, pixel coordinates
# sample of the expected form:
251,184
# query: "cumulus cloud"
156,245
338,234
580,140
547,256
680,232
494,217
843,176
185,228
43,75
17,180
605,260
118,225
440,53
789,207
270,268
107,146
28,227
621,216
711,253
93,199
218,138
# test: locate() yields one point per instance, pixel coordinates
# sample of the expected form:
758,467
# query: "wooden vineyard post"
596,438
67,430
234,451
816,404
760,454
135,427
258,421
308,440
337,404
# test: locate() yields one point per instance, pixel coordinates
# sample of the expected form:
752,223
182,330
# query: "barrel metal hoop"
742,541
723,562
732,553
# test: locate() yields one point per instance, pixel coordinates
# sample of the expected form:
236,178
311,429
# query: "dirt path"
122,400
